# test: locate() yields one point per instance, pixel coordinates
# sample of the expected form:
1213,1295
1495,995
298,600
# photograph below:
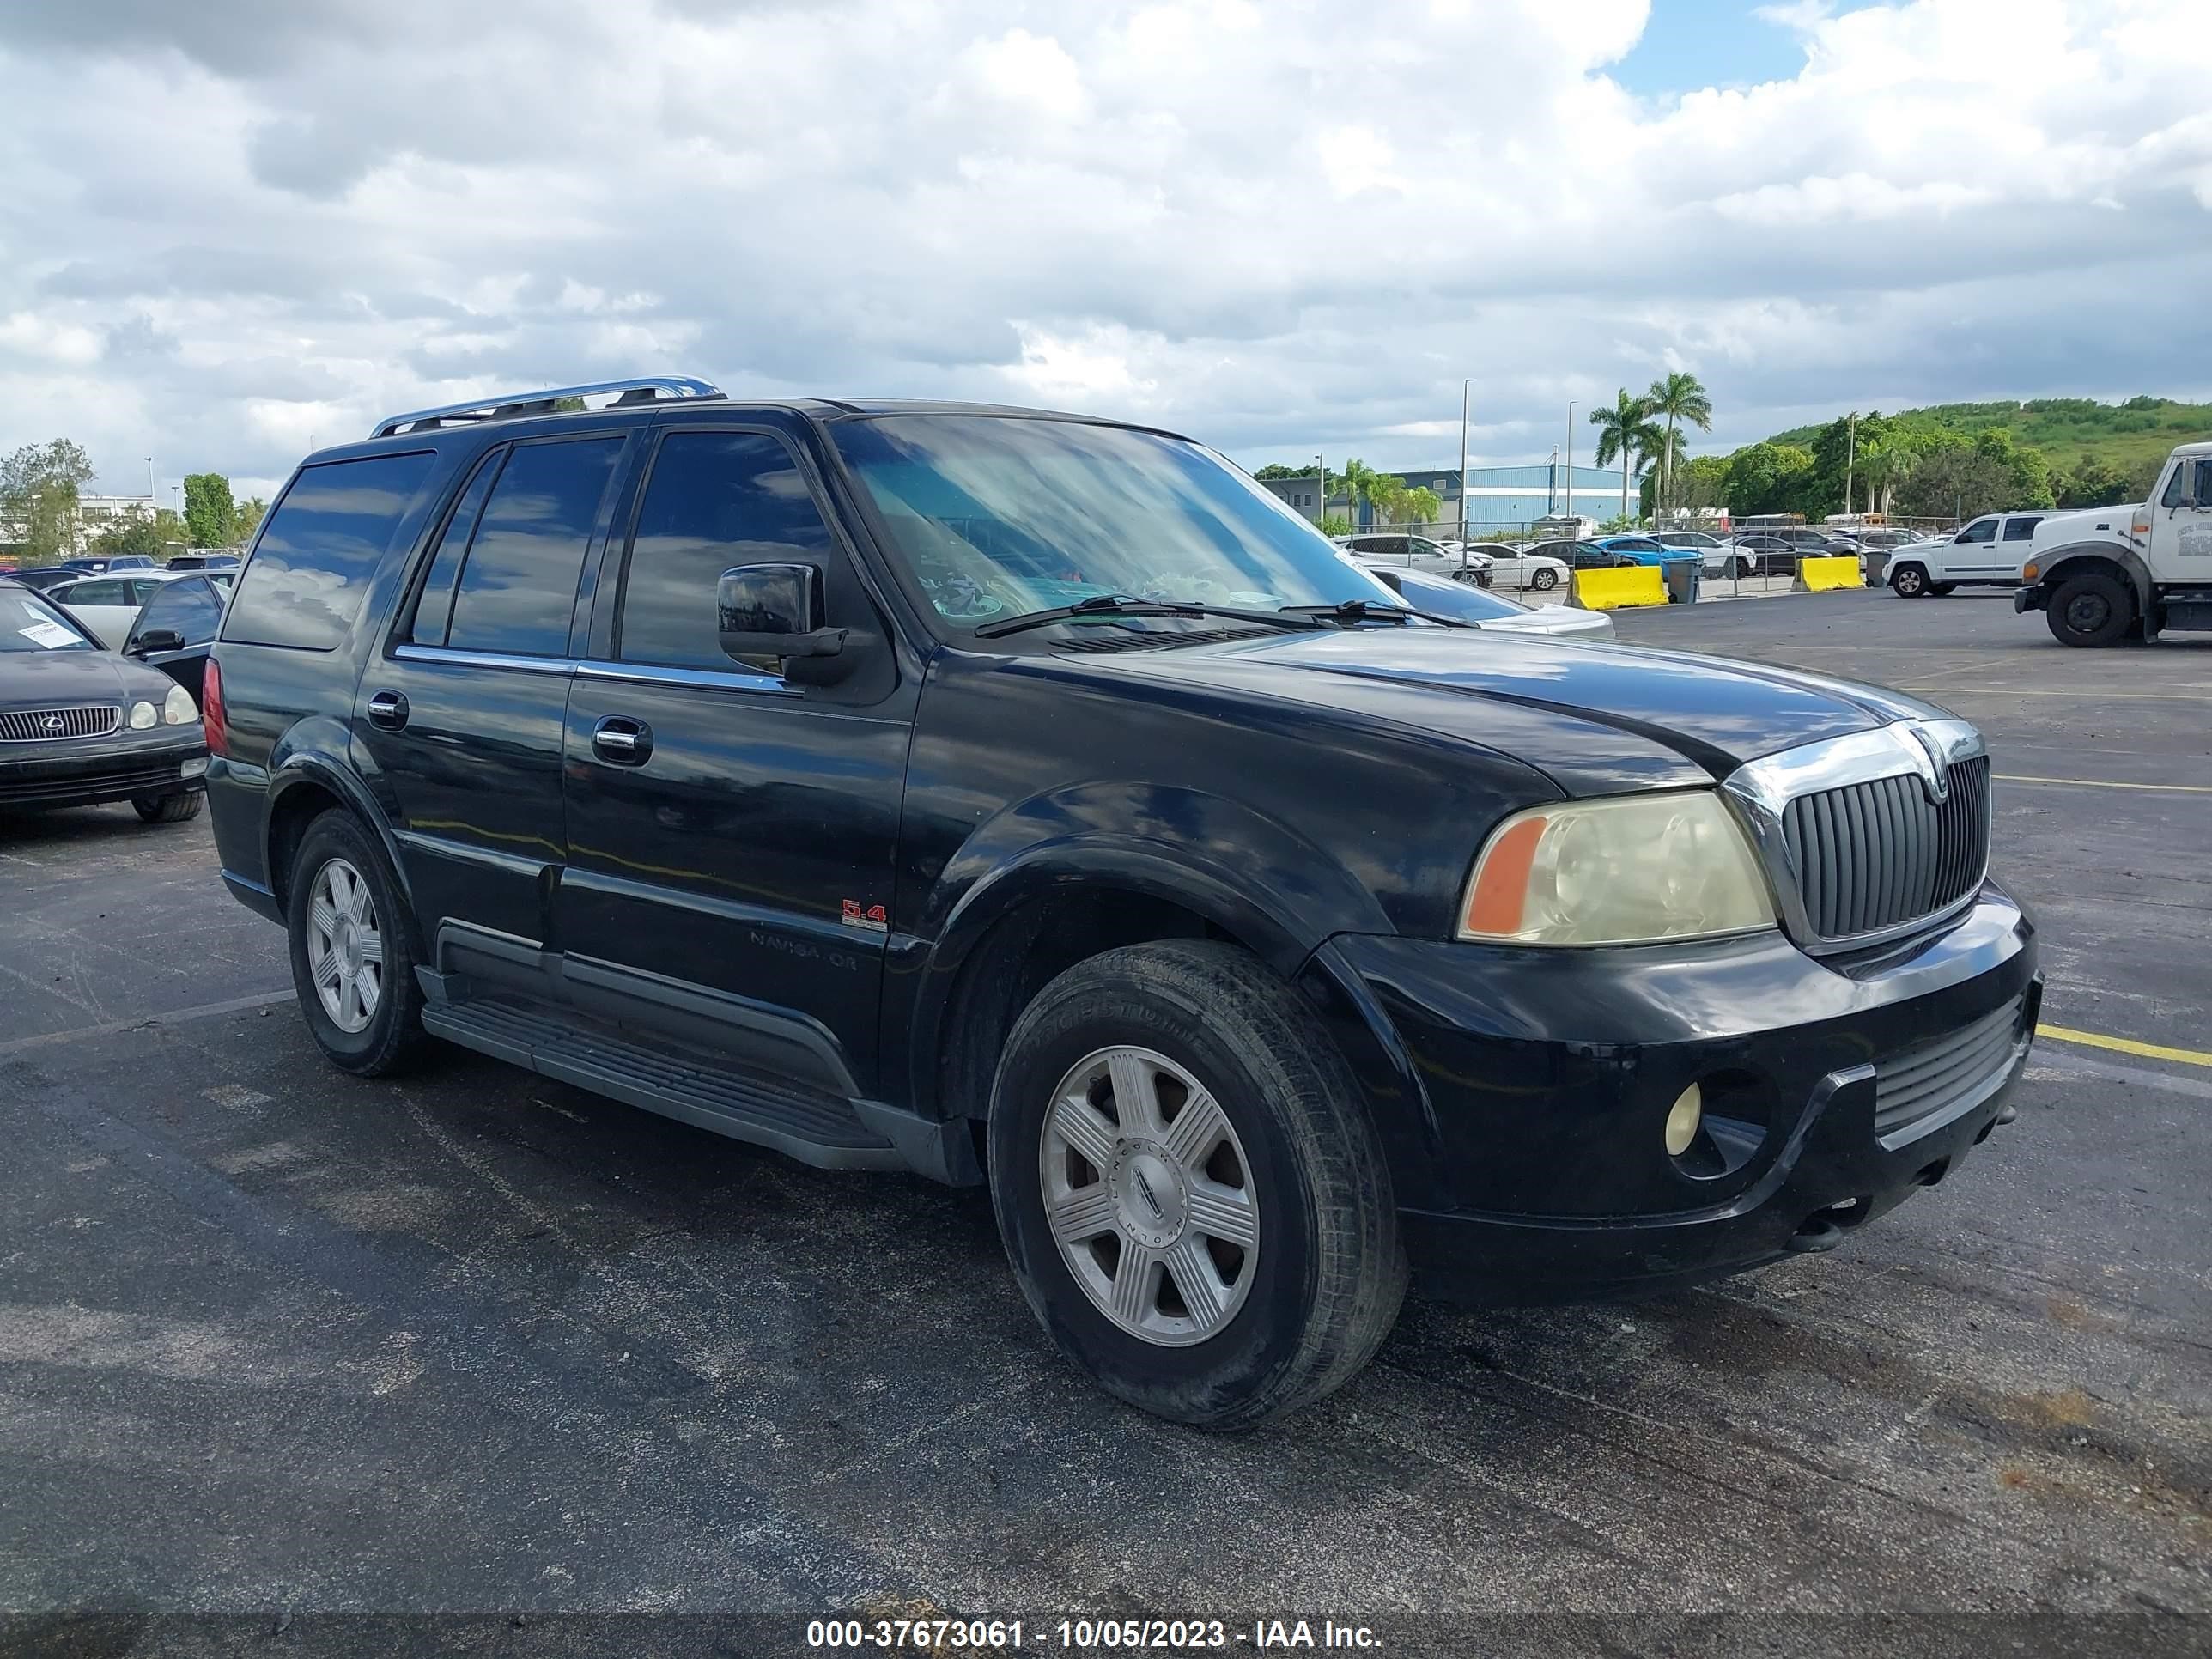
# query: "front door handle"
623,741
387,709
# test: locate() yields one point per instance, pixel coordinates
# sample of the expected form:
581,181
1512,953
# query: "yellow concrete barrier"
1611,590
1829,575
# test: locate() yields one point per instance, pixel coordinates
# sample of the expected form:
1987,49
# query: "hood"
52,679
1597,719
2089,524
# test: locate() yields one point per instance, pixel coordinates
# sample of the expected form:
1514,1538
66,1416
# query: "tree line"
1952,461
42,489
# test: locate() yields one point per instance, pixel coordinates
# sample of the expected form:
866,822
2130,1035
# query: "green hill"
2131,437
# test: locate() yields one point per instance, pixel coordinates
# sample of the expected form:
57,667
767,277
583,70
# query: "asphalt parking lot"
274,1342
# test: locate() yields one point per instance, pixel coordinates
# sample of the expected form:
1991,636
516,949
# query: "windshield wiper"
1121,604
1345,612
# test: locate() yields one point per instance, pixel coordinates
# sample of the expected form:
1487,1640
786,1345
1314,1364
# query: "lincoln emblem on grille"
1935,776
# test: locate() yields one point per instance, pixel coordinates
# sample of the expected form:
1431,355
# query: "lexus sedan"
80,725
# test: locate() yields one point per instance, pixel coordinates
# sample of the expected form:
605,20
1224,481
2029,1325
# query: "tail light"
212,718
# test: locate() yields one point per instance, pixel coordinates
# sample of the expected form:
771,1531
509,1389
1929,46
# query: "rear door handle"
387,709
623,741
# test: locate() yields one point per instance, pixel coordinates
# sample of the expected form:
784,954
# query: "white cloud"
234,227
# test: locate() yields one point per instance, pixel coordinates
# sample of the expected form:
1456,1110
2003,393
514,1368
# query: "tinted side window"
715,499
1986,531
188,606
320,548
518,587
436,603
104,591
2204,483
2177,487
2021,530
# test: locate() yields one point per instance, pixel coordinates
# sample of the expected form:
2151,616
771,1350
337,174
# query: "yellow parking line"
2124,1045
2133,697
2107,783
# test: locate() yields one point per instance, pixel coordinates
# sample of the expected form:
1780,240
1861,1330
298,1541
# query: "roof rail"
646,389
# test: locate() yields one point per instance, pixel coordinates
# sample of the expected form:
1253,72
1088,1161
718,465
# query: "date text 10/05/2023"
1084,1635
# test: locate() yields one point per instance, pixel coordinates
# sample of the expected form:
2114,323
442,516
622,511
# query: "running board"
817,1129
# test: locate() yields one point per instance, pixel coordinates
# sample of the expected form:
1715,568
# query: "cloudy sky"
233,228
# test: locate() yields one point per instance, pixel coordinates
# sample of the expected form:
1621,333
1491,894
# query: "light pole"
1552,491
152,504
1463,386
1320,494
1575,527
1851,461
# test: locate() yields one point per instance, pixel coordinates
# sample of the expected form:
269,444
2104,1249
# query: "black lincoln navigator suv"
1020,798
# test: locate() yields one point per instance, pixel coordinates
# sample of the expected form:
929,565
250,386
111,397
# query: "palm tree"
1884,464
1657,456
1681,399
1622,431
1359,483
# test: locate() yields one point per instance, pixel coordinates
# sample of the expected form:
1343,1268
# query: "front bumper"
129,765
1547,1077
2034,597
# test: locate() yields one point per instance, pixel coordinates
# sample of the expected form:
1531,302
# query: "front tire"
1909,582
2090,610
1544,580
353,962
179,808
1193,1198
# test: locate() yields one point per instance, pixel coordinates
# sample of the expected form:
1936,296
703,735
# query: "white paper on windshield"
50,634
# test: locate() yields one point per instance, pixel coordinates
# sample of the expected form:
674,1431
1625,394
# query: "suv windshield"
995,517
28,623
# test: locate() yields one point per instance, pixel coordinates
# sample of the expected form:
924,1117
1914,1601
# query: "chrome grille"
53,725
1939,1079
1875,856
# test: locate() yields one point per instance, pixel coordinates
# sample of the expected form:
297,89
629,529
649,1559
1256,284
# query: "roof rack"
646,389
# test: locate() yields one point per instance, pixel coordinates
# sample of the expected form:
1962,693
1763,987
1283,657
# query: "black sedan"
79,725
44,576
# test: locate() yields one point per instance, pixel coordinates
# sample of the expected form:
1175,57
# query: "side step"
817,1129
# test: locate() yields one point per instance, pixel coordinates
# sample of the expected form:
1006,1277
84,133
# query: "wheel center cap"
349,946
1150,1199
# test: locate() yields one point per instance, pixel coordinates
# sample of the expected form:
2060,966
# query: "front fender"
2049,567
1278,892
1255,880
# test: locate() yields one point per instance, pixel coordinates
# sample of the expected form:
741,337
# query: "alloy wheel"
345,946
1150,1196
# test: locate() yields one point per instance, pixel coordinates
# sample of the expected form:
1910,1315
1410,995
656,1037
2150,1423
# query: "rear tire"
2090,610
1909,582
361,954
179,808
1544,580
1104,1060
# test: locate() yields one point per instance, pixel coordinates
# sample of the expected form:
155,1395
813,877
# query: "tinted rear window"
320,548
519,583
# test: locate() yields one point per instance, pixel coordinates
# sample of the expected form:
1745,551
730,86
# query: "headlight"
1617,872
177,708
142,716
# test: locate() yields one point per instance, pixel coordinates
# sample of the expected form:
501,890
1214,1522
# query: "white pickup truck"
1987,553
2119,572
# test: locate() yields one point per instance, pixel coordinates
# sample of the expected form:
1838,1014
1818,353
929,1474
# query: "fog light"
1682,1120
